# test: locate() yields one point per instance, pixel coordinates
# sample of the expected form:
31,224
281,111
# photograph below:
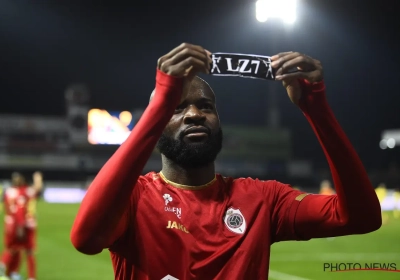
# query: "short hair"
16,175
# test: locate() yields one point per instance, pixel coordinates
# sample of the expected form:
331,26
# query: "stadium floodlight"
391,143
390,139
383,144
387,143
283,9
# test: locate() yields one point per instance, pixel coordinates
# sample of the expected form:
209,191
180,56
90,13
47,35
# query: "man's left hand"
307,68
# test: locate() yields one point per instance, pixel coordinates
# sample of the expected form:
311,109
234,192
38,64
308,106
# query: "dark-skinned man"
186,221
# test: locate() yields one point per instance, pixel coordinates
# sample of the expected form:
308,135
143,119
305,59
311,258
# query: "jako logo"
342,267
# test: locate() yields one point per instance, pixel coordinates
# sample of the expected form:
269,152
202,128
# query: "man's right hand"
185,61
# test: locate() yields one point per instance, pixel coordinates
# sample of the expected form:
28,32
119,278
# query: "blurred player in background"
20,224
381,193
326,188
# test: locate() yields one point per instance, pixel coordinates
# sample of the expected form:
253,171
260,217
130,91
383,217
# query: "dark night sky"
46,45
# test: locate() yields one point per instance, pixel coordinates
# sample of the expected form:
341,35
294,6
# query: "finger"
302,62
184,67
291,76
312,76
188,70
279,55
185,53
209,55
199,53
182,47
278,63
197,66
192,72
180,69
177,50
287,82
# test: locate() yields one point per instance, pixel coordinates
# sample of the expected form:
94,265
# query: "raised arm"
37,184
102,217
355,208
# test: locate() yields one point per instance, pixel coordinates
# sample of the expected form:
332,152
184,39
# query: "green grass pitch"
58,260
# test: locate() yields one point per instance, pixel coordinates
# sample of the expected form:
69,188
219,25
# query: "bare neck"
187,176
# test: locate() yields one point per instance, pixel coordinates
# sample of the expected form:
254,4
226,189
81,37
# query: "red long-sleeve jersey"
156,229
19,208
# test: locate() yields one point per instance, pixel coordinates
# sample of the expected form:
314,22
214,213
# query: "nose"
193,115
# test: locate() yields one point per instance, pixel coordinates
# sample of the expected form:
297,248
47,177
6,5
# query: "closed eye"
180,108
206,106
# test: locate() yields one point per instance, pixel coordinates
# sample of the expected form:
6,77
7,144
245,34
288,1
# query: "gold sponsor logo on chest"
173,224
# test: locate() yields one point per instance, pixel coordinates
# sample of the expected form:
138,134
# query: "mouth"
196,132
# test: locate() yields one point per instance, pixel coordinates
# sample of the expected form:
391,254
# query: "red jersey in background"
20,212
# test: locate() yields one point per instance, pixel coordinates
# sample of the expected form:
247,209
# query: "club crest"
234,221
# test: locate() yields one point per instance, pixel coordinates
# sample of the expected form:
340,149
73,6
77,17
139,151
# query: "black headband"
242,65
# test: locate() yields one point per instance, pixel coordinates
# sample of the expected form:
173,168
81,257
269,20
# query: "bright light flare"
387,143
283,9
391,143
383,144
